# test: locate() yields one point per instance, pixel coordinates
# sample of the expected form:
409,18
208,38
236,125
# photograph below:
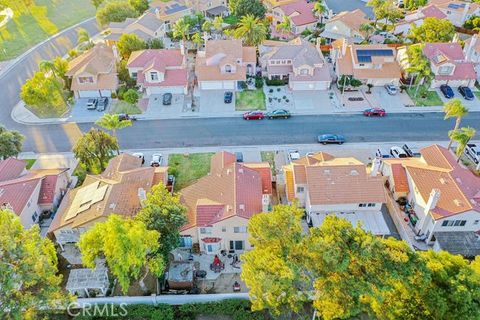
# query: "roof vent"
241,207
458,203
326,171
229,171
112,205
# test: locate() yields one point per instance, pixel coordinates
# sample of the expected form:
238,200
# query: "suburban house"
457,11
443,195
324,184
29,193
221,203
94,72
346,25
270,4
158,71
211,8
120,189
146,27
449,65
170,12
298,61
417,17
224,64
300,14
374,64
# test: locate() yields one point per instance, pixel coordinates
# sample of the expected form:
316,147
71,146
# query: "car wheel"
324,143
340,143
286,117
270,118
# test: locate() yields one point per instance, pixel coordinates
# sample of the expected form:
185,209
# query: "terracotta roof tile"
300,12
400,178
11,168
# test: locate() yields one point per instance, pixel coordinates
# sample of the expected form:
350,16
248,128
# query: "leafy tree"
473,23
414,4
181,29
285,26
94,149
113,123
432,30
128,43
28,270
140,5
83,39
44,94
218,24
419,66
319,8
47,66
127,247
273,271
115,11
241,8
197,39
348,81
207,26
367,29
461,136
96,3
455,109
72,54
251,30
124,75
155,43
10,143
164,213
131,96
385,9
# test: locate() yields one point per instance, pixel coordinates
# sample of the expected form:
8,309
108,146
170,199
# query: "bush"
275,82
131,96
243,85
258,83
121,91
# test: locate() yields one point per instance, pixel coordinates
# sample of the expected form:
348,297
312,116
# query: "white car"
473,152
398,152
157,160
293,155
140,156
391,89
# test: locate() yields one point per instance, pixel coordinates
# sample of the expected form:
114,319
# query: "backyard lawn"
424,97
250,100
269,156
29,162
34,23
231,19
120,106
188,168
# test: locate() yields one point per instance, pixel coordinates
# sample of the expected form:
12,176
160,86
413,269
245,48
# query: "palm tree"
207,26
455,109
285,26
418,66
251,30
462,136
218,24
48,67
83,39
320,9
61,67
366,28
197,39
181,29
112,122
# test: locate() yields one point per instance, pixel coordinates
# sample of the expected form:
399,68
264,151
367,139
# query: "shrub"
258,83
275,82
131,96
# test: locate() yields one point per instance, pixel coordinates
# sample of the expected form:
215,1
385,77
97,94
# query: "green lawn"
34,23
269,156
424,98
120,106
231,19
29,162
477,94
188,168
250,100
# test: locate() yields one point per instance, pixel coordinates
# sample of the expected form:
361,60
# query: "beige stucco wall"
30,208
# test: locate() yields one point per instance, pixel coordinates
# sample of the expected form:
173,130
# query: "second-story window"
228,68
85,79
445,70
153,76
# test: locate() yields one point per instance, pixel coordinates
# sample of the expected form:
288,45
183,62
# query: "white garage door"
158,90
229,85
88,94
106,93
217,85
311,85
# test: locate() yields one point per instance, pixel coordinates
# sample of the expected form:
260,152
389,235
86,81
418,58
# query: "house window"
154,76
239,229
304,71
362,64
371,205
211,247
185,242
476,222
205,230
445,70
134,75
289,61
300,189
228,68
237,245
34,216
85,79
459,223
362,205
448,223
224,229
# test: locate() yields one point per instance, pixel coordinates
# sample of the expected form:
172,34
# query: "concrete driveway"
211,101
472,105
156,107
80,113
390,102
312,101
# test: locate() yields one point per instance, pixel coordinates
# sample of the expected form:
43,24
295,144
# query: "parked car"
239,156
228,97
92,104
374,112
279,113
398,152
391,89
466,92
331,138
381,154
102,104
409,151
447,91
140,156
253,115
293,155
157,160
167,99
473,151
125,116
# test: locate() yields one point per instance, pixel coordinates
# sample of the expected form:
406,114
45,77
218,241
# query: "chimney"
142,195
432,200
375,167
471,47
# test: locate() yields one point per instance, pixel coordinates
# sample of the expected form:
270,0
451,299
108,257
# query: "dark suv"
447,91
167,99
466,92
227,97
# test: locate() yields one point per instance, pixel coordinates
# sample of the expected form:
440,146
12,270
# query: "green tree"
28,270
181,30
320,9
94,149
128,43
367,29
251,30
432,30
139,5
378,7
127,246
207,26
10,143
83,39
197,39
241,8
47,67
113,123
419,66
163,212
461,136
285,26
131,96
218,24
473,23
155,43
124,75
455,109
414,4
72,54
96,3
115,11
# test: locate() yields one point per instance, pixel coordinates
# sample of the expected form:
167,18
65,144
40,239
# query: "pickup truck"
473,152
409,151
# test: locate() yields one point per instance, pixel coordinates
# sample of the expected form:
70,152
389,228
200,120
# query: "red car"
253,115
374,112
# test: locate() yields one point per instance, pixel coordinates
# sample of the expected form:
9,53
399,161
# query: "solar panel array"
456,5
365,55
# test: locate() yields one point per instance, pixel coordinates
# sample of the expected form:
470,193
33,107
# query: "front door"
237,245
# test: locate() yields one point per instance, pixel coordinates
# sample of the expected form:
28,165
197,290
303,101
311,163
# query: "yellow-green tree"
28,270
455,109
462,137
251,30
127,246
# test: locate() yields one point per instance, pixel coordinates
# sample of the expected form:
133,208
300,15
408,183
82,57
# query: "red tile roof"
11,168
47,189
17,192
300,12
144,58
172,78
440,53
399,178
431,11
